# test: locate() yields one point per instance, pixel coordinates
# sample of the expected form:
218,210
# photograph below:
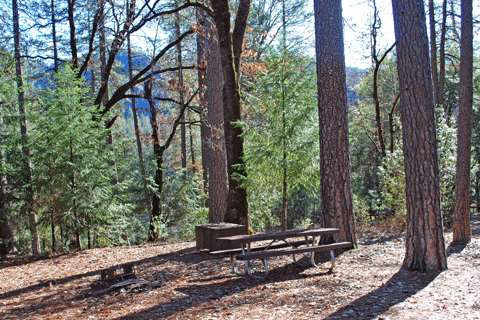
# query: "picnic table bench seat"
280,245
278,253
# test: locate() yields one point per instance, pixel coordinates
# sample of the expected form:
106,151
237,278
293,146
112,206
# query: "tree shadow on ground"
382,239
475,223
171,256
13,260
455,248
400,287
475,231
46,304
210,289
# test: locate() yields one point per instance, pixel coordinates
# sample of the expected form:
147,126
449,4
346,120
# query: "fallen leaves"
182,283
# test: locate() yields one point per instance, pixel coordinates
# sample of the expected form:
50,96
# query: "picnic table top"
278,235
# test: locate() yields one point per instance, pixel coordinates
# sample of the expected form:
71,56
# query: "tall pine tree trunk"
214,120
218,174
425,246
336,186
32,217
461,213
230,51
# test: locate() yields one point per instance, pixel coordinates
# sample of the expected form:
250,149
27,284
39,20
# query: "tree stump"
207,234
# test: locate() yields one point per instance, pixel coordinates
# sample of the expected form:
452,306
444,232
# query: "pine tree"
425,246
336,187
461,222
282,143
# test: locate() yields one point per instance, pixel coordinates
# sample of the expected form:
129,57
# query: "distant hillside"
354,76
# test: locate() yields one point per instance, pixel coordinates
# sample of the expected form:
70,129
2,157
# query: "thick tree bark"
461,213
425,246
336,189
213,102
32,217
230,50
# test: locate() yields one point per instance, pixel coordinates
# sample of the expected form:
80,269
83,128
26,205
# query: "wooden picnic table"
249,250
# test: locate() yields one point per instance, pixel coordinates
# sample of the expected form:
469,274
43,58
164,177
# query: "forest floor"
182,283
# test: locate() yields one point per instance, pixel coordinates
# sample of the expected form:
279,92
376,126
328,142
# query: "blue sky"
358,15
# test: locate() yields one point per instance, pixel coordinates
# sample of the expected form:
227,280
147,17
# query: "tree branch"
155,15
119,94
85,63
163,71
239,31
178,120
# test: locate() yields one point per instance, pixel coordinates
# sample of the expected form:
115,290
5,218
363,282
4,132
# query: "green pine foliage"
72,162
12,164
281,119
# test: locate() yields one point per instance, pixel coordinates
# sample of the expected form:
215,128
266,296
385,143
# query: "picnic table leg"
312,254
232,261
265,265
307,244
247,263
246,249
332,254
232,257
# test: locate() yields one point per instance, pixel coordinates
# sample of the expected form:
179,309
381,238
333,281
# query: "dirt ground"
182,283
